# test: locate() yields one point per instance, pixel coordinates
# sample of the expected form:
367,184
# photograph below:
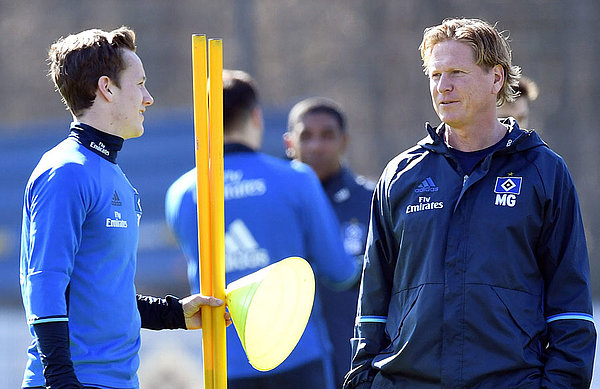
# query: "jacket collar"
337,180
518,139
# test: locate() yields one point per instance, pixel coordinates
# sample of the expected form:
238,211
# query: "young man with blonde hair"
476,271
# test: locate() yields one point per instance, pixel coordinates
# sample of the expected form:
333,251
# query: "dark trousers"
309,376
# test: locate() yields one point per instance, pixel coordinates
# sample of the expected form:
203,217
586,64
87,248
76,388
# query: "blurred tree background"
362,53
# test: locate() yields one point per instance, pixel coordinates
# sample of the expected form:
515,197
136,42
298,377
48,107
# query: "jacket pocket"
528,326
524,309
414,328
503,332
400,306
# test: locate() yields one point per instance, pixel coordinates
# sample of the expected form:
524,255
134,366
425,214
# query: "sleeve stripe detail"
570,316
371,319
36,320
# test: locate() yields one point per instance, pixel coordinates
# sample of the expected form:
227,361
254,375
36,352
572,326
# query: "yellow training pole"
201,133
215,58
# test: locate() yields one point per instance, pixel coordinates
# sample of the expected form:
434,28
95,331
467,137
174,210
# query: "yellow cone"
270,309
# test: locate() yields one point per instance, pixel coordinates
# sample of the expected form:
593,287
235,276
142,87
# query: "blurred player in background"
80,227
317,136
476,269
273,209
527,91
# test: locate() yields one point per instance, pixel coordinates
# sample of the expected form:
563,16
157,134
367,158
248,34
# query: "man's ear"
104,88
289,149
498,71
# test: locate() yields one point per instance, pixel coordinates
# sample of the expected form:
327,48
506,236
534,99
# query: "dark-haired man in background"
317,136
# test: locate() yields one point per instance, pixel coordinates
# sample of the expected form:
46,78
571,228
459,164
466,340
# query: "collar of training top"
336,180
101,143
236,148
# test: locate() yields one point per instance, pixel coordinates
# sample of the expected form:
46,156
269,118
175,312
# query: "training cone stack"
270,309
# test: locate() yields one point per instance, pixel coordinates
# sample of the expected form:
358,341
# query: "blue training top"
78,258
273,209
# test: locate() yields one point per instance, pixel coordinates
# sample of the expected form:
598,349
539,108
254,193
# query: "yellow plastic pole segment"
201,134
215,58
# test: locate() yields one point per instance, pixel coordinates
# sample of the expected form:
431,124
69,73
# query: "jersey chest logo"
427,188
117,222
507,189
119,219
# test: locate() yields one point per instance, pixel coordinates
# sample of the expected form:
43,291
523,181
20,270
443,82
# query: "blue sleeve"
562,253
322,235
181,217
56,206
370,335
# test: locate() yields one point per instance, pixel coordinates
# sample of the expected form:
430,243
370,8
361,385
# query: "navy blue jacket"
350,196
478,281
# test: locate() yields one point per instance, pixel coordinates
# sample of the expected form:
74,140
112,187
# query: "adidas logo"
115,200
427,186
242,250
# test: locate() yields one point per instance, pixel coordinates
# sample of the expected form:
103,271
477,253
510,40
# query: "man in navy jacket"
317,136
476,271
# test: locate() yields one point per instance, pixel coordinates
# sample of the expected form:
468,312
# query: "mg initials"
506,199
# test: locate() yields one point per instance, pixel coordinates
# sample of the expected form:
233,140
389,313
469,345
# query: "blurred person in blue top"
476,269
317,136
80,227
273,209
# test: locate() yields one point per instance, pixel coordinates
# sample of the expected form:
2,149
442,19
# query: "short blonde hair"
490,48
